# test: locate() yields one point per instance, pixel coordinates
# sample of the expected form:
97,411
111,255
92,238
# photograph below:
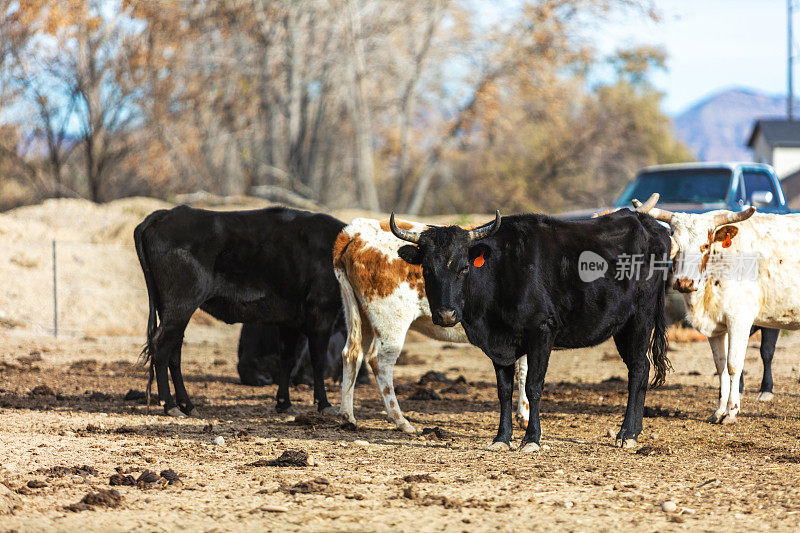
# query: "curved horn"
649,208
406,235
487,230
733,218
649,204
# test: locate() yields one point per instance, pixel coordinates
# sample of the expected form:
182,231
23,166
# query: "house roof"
776,132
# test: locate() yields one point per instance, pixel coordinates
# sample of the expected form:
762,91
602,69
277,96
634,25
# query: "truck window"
678,186
758,180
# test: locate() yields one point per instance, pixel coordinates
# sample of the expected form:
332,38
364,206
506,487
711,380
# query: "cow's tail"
658,343
352,352
146,354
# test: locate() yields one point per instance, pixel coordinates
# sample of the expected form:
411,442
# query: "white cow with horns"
734,270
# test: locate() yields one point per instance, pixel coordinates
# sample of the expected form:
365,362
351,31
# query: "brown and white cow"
735,270
383,298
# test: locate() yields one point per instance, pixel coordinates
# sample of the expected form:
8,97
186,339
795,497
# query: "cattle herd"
515,287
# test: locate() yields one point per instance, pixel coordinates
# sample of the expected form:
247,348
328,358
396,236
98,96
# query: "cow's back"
250,265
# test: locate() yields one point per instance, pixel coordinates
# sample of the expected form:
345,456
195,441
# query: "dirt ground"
376,478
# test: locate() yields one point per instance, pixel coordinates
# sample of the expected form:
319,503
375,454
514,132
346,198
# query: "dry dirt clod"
172,477
102,498
42,390
424,394
419,478
297,458
436,433
122,480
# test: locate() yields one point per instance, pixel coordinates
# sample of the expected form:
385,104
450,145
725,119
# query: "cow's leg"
317,349
165,345
523,407
181,396
632,342
352,357
505,391
769,339
738,334
288,340
387,350
534,384
719,349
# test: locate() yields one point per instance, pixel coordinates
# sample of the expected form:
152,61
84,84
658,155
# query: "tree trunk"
365,169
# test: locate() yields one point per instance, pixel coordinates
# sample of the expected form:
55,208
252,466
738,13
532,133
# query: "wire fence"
73,288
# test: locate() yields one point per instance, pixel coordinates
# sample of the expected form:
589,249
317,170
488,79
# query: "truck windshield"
680,186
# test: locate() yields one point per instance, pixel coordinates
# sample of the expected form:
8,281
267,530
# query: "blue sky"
713,45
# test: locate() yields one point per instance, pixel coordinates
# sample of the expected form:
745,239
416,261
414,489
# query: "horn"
487,230
649,208
733,218
406,235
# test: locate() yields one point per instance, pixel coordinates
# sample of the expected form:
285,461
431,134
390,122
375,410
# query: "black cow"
260,346
517,290
270,265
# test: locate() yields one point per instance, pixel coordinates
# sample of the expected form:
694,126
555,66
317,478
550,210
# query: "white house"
777,142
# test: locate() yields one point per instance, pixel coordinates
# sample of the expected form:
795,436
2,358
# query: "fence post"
55,293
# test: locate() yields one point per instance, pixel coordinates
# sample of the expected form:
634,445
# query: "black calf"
259,357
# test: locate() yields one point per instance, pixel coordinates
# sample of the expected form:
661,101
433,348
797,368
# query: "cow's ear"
478,254
410,254
725,234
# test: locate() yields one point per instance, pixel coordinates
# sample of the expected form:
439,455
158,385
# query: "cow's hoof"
728,419
498,446
285,409
716,418
522,422
330,411
530,447
406,427
194,413
176,413
764,396
625,444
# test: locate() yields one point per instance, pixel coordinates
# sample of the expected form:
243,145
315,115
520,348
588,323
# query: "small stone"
37,484
360,442
611,433
559,472
569,505
274,509
655,436
219,440
669,506
311,460
545,447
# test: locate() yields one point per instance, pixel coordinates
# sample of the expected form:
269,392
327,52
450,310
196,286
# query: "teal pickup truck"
701,187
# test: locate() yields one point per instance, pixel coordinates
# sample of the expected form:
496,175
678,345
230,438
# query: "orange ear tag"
727,242
478,261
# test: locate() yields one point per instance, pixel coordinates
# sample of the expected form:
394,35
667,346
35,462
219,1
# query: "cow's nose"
447,317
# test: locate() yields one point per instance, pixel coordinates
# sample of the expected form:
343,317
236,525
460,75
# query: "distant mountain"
717,127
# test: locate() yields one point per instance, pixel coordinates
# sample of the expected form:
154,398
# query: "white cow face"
694,238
